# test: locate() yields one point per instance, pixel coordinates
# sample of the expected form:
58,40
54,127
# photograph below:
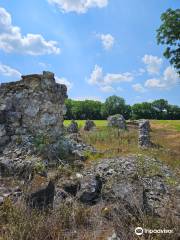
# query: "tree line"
96,110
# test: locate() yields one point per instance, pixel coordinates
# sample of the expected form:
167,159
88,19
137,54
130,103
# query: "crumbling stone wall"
33,105
144,134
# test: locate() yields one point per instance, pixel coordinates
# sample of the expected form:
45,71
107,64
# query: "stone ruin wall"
34,105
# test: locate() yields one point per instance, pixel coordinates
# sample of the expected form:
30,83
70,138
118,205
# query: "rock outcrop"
34,105
137,183
90,189
117,121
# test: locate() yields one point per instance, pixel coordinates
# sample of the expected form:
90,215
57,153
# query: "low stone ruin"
144,134
32,108
117,121
34,105
73,127
89,125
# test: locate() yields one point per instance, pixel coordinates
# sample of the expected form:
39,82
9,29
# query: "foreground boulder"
43,198
117,121
90,189
136,183
89,125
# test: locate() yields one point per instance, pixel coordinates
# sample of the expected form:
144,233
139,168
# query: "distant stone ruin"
31,106
89,125
117,121
144,134
73,127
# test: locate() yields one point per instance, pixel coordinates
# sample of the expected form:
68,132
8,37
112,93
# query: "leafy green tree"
87,109
173,112
143,110
69,104
113,105
161,108
169,34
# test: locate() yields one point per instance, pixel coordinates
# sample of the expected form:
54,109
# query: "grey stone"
73,127
2,130
113,237
71,187
89,125
144,134
125,186
117,121
31,108
90,190
32,105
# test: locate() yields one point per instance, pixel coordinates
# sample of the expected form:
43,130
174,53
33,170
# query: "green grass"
170,124
99,123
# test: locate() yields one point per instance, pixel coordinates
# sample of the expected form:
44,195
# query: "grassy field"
169,124
165,134
99,123
166,124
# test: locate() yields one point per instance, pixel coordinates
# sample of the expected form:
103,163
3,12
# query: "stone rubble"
123,181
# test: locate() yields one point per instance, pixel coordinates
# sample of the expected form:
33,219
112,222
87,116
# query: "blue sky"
97,47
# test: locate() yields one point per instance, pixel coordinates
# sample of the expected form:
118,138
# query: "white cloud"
170,76
12,40
7,71
98,78
118,78
107,40
138,88
154,83
169,79
95,98
64,81
153,63
107,89
78,6
105,81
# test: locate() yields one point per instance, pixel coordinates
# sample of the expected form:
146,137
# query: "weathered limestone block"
89,125
34,105
73,127
117,121
144,134
90,190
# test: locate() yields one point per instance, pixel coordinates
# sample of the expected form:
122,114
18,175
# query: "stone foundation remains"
34,105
